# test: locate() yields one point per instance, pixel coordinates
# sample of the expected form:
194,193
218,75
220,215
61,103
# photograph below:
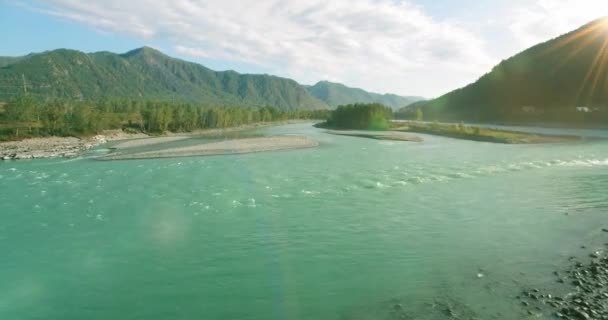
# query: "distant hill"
564,80
336,94
5,61
147,74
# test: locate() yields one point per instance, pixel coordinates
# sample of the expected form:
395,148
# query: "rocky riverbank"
56,147
585,284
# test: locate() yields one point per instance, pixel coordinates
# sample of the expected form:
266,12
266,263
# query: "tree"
70,117
419,115
54,116
81,119
23,112
361,116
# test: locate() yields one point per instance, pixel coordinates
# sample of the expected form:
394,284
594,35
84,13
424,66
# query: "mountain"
5,61
336,94
147,74
564,80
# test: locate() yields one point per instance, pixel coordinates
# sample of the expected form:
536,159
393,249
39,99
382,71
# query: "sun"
593,35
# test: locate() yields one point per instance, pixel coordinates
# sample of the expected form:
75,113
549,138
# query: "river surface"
354,229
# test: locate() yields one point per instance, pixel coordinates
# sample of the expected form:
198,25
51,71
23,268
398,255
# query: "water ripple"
410,176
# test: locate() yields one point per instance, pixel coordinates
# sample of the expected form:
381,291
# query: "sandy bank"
237,146
147,142
53,147
171,137
378,135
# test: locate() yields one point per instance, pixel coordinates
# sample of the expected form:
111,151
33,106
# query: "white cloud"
541,20
381,45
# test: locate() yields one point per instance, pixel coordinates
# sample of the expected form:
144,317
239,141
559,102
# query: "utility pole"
24,85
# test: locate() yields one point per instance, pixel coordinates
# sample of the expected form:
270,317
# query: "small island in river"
374,121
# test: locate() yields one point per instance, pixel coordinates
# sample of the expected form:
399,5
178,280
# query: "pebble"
52,147
588,291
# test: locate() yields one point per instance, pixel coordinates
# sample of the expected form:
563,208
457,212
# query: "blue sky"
417,47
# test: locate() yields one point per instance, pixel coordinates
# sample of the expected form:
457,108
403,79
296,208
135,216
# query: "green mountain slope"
147,74
545,83
5,61
336,94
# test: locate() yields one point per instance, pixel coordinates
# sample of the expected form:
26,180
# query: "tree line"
26,117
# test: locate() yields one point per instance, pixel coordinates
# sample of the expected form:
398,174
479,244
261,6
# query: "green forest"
361,116
25,117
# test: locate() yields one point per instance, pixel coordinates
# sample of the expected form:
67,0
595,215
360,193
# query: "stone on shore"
54,147
588,291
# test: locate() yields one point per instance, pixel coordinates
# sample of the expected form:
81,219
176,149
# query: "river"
354,229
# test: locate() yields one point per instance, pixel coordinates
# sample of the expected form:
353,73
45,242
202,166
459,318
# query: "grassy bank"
461,131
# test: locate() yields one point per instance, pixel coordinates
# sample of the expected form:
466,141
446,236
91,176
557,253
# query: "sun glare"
604,24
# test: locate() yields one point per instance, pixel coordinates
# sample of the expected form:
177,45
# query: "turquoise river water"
354,229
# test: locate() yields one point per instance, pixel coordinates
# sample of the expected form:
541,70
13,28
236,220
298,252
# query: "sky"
408,47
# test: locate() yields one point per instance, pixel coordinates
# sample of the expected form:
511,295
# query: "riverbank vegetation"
475,133
25,117
360,116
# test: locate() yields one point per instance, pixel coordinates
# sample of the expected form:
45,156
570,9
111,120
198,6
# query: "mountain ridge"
148,73
336,94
